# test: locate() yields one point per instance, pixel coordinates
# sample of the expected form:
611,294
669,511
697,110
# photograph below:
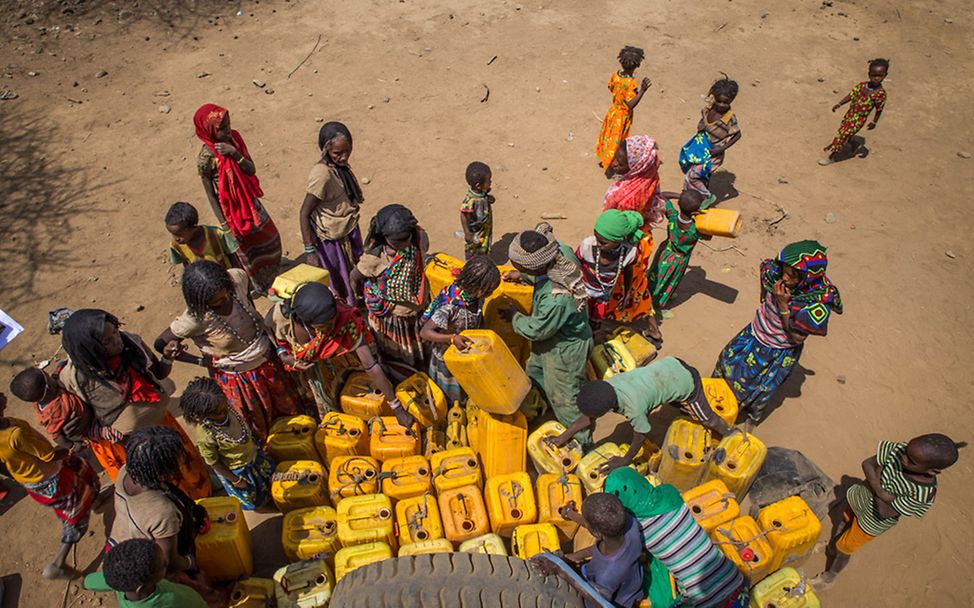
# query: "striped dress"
913,499
704,576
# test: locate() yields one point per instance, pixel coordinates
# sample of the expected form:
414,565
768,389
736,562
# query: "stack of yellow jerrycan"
712,504
510,502
353,476
509,294
489,544
553,460
425,547
791,529
530,539
473,425
366,519
423,399
456,468
488,372
360,398
406,477
389,439
310,533
224,551
356,556
554,492
742,457
786,588
456,427
464,513
685,454
304,584
292,438
341,435
418,519
719,222
253,593
285,283
590,466
742,541
504,446
433,441
721,399
299,483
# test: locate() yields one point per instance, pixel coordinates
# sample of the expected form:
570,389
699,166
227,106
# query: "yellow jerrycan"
423,399
433,441
456,436
366,519
510,502
425,547
310,533
786,588
509,294
418,519
456,468
743,543
712,504
353,476
299,483
442,270
360,398
224,551
685,454
464,513
550,460
285,283
456,414
488,372
611,358
389,439
406,477
554,492
743,455
721,399
253,593
341,435
489,544
292,438
593,479
473,424
356,556
304,584
719,222
504,446
641,349
791,529
530,539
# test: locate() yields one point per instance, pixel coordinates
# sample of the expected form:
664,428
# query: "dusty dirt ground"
90,164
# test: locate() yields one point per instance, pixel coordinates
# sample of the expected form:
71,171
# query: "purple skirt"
338,258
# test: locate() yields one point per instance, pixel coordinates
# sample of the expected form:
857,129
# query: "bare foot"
53,573
822,581
748,426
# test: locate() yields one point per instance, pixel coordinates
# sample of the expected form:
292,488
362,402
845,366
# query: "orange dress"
615,125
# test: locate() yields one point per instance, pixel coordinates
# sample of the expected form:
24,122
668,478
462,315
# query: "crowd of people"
378,315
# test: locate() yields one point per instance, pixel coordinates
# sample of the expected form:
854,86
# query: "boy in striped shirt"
901,479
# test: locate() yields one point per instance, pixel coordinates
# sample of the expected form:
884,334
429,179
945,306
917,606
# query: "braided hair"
201,400
630,57
479,276
725,87
131,564
202,280
879,62
153,456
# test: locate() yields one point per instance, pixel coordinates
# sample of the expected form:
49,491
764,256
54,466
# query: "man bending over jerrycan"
638,393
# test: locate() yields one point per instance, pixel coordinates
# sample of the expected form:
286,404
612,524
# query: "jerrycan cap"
747,554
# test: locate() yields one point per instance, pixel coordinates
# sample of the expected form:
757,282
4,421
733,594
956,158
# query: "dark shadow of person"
790,389
696,281
500,247
722,186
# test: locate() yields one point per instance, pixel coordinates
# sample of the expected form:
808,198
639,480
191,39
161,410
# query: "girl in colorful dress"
864,97
797,300
614,262
324,339
222,322
330,210
226,444
673,256
636,164
457,307
231,185
626,95
716,132
390,278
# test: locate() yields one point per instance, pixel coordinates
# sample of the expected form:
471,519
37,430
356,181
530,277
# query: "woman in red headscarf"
636,169
231,184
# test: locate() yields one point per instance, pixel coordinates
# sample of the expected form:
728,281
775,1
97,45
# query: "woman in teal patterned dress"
673,256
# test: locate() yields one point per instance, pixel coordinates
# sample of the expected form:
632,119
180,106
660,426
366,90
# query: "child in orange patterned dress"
626,95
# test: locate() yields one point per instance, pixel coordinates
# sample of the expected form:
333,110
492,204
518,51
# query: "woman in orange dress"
626,95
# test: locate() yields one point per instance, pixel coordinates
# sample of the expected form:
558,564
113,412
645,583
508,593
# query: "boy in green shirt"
135,570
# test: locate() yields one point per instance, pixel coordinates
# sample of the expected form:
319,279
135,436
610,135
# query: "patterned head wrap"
815,297
637,190
566,276
619,226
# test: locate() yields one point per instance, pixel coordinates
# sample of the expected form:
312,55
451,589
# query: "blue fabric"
754,371
258,476
697,152
619,577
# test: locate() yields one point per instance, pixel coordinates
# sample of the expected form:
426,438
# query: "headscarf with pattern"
638,189
815,297
402,282
563,273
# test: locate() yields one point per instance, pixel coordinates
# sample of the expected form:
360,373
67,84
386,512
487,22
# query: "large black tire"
452,580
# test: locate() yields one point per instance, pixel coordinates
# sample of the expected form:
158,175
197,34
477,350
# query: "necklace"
223,435
231,330
607,289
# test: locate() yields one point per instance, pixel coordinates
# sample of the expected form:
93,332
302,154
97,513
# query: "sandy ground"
90,164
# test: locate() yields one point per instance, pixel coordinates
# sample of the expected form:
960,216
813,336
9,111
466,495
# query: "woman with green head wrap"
704,577
614,262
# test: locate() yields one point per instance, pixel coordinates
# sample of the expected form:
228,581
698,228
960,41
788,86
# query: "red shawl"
237,190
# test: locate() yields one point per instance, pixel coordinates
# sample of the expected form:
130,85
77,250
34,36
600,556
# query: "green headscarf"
639,496
620,226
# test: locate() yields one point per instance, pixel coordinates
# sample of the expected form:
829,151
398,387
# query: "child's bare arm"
841,103
580,556
643,87
873,470
467,233
213,197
